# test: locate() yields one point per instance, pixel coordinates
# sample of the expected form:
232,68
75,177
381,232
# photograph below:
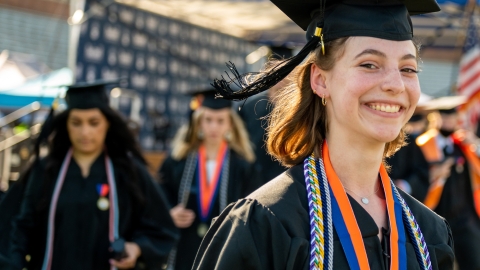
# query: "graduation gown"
457,207
270,230
410,165
81,228
265,167
239,185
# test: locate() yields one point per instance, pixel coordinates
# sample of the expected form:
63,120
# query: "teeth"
385,108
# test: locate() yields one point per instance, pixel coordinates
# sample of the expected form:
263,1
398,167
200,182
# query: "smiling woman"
353,88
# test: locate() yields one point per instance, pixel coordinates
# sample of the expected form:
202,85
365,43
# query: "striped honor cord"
321,227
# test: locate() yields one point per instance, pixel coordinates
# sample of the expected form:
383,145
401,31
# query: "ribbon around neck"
208,189
113,214
347,227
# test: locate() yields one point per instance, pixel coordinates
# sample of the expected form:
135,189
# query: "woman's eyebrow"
371,51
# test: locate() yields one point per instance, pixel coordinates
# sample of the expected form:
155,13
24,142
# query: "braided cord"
317,249
187,178
421,249
320,211
223,197
327,209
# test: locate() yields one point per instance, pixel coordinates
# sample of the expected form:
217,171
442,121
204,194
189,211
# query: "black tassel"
262,81
47,129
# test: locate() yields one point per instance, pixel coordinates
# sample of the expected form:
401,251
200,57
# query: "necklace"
365,199
321,202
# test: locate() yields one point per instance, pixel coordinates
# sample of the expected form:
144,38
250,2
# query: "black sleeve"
445,253
248,236
155,234
167,181
251,183
419,178
25,221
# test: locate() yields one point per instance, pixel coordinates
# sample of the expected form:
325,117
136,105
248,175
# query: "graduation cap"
206,98
446,105
324,21
88,95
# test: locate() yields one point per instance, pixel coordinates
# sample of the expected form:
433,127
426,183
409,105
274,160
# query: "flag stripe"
469,76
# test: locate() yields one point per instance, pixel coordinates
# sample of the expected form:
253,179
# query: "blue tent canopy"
20,101
43,89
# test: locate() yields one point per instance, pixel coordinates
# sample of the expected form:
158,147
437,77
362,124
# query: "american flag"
469,76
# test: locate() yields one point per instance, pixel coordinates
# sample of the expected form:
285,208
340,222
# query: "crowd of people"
336,166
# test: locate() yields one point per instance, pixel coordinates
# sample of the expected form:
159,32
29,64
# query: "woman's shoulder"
286,198
435,228
171,161
282,197
237,157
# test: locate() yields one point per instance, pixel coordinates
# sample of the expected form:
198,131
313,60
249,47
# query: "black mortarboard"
326,20
88,95
208,100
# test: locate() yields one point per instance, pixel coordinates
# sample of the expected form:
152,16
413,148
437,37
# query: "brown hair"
298,121
239,140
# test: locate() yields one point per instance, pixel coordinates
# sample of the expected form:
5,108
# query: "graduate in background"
342,115
453,189
209,167
91,204
255,113
408,167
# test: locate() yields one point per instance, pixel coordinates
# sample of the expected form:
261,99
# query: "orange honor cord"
395,215
346,210
208,189
474,163
387,187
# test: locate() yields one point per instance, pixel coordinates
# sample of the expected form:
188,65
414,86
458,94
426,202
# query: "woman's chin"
387,135
86,150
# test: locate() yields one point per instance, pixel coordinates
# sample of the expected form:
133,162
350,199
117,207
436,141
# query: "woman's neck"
356,162
212,148
85,160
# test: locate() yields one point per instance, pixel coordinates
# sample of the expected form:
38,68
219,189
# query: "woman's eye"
368,66
410,70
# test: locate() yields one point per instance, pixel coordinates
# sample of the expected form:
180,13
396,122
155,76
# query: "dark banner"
161,58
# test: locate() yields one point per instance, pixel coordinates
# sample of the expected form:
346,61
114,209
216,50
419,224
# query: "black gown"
410,165
81,229
239,185
457,207
270,230
252,113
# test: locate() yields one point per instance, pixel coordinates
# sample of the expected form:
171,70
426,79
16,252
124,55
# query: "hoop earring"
324,101
228,136
200,135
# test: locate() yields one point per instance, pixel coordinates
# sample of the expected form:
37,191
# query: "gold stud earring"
324,101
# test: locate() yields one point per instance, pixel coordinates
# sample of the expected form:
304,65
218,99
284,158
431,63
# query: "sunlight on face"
215,124
87,130
373,88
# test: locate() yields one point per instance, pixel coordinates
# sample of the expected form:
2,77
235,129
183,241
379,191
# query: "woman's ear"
318,81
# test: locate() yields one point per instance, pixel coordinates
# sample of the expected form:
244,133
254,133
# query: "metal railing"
8,139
